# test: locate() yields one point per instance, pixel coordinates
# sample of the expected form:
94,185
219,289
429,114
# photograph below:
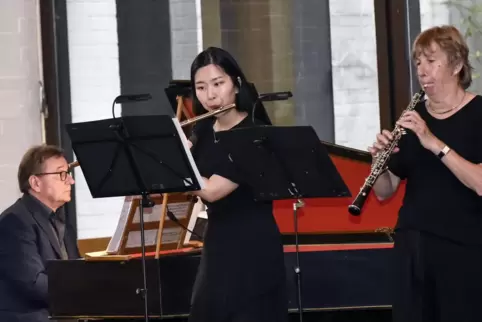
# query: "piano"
344,260
345,264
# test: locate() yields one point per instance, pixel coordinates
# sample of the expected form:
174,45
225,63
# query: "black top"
243,253
435,200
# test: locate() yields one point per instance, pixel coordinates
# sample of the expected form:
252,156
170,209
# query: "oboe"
379,166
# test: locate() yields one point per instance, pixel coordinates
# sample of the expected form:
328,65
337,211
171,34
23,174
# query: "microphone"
269,97
172,217
275,96
132,98
128,98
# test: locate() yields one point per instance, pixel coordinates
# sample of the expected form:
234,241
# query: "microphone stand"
145,202
269,97
296,205
129,99
294,192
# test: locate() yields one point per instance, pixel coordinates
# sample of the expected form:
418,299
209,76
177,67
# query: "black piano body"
354,281
345,266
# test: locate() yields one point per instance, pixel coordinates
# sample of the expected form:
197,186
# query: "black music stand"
284,163
135,155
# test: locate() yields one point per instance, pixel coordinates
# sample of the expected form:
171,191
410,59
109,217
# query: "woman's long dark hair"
245,98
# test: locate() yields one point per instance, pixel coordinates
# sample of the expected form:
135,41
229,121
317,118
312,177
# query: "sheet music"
150,214
153,214
179,209
169,236
134,238
115,241
188,181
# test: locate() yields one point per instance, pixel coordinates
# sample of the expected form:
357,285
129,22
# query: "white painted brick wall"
186,35
95,76
20,122
354,59
432,13
95,82
94,68
355,77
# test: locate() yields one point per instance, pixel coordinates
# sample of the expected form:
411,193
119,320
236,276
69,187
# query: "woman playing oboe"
438,239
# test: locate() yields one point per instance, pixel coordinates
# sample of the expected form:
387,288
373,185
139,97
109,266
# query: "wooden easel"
181,110
161,234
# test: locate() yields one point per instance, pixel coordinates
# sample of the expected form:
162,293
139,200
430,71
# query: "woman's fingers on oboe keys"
389,137
387,134
373,151
383,140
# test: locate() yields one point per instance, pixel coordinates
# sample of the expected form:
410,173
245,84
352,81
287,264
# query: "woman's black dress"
242,272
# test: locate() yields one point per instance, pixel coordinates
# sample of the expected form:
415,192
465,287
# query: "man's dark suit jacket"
27,242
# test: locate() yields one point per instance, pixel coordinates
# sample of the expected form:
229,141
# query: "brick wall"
186,39
94,68
355,81
251,30
20,122
282,46
94,81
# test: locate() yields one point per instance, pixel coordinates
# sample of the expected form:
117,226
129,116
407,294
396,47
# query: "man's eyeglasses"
63,174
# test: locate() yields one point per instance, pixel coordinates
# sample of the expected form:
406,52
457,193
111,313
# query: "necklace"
216,140
449,110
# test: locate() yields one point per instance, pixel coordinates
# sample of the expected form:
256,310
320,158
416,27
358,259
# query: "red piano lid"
330,215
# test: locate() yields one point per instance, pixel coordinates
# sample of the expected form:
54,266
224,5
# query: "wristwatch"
443,152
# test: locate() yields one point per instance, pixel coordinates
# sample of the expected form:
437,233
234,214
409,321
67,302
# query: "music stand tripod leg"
296,205
145,202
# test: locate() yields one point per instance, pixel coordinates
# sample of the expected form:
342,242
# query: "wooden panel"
92,245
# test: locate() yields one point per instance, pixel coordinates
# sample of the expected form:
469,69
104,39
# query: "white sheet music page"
184,140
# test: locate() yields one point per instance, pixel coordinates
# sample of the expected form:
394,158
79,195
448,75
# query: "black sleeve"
227,169
479,161
20,261
397,163
199,131
479,136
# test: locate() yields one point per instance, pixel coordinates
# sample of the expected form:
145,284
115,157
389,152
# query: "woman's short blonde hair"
451,41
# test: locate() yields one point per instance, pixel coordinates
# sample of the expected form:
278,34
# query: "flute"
185,123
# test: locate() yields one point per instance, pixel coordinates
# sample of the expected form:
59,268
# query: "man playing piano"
32,231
